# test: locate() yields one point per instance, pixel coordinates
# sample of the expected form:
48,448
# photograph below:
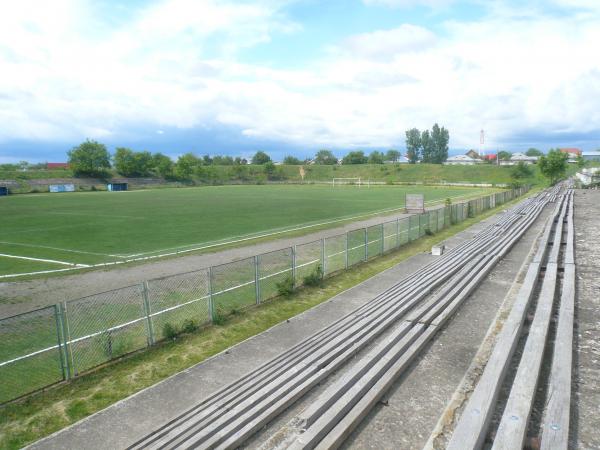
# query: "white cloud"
410,3
65,76
386,44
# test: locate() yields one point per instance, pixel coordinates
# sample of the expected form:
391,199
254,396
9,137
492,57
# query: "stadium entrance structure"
117,187
3,190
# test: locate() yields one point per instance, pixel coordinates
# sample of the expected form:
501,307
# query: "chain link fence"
52,344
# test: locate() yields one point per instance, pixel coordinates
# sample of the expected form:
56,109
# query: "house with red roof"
572,152
51,166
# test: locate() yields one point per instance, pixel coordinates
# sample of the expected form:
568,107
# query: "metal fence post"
146,305
346,251
397,232
322,257
211,303
257,278
60,340
382,239
294,266
71,370
366,244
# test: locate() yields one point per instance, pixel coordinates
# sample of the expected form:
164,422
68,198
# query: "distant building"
517,158
591,156
473,154
491,158
51,166
462,160
573,152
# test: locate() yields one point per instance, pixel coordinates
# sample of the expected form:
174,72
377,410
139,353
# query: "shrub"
315,277
285,287
189,326
219,316
428,231
169,331
448,201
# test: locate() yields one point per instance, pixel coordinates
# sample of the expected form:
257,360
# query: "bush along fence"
59,342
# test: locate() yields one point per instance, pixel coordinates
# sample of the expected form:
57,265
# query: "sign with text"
414,203
61,188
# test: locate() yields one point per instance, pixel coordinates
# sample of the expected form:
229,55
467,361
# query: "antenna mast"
481,142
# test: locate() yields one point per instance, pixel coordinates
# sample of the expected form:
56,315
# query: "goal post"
355,181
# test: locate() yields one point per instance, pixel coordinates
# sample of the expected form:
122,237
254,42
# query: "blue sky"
294,76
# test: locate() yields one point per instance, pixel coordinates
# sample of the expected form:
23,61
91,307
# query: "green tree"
163,165
356,157
207,160
580,161
413,145
534,152
553,165
503,155
392,155
521,171
269,169
325,157
186,165
440,138
260,157
376,157
292,161
133,164
89,158
427,147
219,160
240,161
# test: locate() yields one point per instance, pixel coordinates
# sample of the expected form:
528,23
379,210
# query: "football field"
50,232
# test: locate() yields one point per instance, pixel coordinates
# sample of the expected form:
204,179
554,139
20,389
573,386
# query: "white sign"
62,188
414,203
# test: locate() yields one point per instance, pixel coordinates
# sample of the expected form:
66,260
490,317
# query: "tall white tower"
481,143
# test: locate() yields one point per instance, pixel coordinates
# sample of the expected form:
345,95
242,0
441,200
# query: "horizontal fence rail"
59,342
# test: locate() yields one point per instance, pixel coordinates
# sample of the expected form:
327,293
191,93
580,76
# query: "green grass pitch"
99,227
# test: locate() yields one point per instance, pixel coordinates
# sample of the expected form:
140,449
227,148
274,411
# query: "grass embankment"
390,173
45,412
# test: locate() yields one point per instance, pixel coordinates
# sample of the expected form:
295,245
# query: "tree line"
92,158
427,146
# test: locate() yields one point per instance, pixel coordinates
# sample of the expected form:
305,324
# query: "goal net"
347,181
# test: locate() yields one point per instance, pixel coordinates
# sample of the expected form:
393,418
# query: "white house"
591,156
517,158
522,157
462,160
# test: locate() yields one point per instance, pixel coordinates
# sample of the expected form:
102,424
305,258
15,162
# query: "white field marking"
53,261
60,249
104,216
146,258
287,230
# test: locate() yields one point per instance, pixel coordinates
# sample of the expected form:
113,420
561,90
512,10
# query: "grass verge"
45,412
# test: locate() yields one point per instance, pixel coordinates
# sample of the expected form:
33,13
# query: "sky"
295,76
